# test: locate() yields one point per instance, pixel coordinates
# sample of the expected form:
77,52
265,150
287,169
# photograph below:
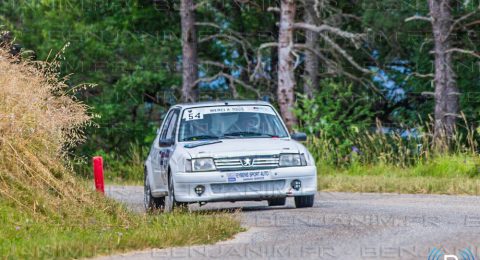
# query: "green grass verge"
455,174
392,184
104,231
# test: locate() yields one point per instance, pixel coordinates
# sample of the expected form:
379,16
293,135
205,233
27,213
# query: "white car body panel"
219,185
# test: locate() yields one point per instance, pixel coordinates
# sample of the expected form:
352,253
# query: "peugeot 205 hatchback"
227,151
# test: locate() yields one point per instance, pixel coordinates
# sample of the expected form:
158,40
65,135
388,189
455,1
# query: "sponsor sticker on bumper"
243,176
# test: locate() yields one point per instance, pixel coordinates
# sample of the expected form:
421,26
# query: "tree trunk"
272,87
311,60
237,16
446,91
286,77
189,51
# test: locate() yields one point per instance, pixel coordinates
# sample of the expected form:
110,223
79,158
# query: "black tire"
151,203
304,201
277,202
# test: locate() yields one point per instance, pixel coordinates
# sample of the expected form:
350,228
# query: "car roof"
222,103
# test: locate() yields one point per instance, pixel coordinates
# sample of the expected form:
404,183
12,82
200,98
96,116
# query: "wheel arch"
148,172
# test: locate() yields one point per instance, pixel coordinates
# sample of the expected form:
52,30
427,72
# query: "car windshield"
222,122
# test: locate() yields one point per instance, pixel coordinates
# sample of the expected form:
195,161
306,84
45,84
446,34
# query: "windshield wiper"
205,142
200,137
247,133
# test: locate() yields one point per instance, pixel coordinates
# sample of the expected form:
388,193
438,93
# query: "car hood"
242,147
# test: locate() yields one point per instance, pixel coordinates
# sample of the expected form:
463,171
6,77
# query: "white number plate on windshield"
243,176
199,112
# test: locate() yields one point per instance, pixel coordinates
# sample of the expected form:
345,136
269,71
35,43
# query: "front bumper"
221,186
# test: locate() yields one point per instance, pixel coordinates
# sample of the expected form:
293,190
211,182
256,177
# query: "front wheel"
151,203
170,202
304,201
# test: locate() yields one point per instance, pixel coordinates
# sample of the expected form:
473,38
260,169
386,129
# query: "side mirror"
301,137
166,142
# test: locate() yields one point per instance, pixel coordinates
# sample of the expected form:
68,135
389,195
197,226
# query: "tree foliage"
132,51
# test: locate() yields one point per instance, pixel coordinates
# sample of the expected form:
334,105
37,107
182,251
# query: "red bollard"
98,173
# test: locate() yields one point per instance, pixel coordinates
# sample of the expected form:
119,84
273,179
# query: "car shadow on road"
237,209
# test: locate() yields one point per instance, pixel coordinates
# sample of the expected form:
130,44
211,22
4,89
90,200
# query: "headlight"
287,160
203,165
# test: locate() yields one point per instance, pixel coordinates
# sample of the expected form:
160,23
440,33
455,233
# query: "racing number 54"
191,116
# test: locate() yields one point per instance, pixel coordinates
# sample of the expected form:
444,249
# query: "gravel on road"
339,226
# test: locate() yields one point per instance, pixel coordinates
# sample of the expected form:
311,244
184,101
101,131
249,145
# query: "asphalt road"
339,226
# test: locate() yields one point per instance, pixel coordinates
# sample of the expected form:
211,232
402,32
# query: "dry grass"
37,122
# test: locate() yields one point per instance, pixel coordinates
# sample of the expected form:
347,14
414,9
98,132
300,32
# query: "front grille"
247,162
257,186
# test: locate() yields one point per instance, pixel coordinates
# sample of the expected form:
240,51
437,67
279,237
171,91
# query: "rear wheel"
151,203
277,202
304,201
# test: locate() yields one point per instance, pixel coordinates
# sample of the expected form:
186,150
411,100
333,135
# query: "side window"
171,126
165,123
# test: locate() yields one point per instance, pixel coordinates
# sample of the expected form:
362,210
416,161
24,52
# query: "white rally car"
227,151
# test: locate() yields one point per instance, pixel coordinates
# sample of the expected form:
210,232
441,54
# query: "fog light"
199,190
296,184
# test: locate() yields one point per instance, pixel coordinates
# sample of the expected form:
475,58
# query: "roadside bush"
118,168
373,147
335,115
335,109
343,132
